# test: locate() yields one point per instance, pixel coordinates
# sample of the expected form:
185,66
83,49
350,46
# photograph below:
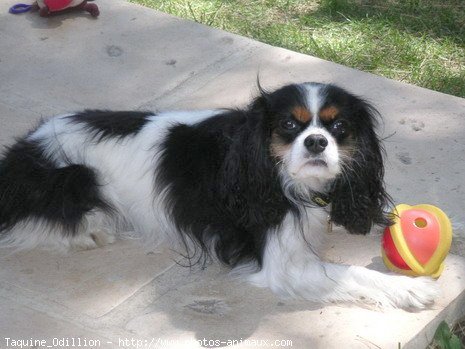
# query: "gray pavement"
133,57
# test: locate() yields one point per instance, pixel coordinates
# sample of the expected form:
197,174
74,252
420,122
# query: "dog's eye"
289,125
339,129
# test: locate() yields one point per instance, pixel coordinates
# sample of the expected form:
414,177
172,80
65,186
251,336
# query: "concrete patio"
121,295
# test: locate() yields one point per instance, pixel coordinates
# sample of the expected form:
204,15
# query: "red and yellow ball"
418,241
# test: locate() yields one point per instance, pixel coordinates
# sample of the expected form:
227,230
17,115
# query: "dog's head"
323,140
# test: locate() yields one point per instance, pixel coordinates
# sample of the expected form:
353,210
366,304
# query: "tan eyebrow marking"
302,114
278,147
328,113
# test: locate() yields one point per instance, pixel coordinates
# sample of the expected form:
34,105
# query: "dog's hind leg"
42,203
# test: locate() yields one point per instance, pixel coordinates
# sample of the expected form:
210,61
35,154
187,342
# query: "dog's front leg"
292,268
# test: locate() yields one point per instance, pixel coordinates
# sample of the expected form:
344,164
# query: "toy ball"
418,241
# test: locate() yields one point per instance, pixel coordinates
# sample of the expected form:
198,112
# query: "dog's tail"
36,193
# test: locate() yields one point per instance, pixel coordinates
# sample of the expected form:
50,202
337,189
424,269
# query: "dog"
254,188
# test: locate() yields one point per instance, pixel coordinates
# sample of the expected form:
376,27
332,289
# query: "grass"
417,41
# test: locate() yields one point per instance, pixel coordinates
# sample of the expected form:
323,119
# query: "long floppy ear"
249,179
249,188
359,198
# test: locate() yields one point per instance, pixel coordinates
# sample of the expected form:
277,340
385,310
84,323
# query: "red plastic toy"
418,241
47,8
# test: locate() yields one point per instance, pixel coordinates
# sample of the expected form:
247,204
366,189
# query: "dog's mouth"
313,165
317,163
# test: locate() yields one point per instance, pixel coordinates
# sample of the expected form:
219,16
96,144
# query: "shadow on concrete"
377,264
218,310
56,20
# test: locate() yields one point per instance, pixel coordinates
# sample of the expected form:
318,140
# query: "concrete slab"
73,61
43,330
88,282
133,57
208,305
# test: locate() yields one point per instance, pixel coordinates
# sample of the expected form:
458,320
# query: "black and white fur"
235,185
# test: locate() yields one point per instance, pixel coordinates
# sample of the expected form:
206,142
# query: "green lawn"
416,41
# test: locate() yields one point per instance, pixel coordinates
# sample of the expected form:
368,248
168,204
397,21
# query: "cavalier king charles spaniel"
255,188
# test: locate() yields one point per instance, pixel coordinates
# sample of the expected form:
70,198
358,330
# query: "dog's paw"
92,240
102,238
413,293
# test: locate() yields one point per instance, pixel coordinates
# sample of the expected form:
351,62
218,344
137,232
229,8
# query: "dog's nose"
316,143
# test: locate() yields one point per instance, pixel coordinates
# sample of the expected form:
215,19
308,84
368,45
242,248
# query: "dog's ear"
359,198
249,191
